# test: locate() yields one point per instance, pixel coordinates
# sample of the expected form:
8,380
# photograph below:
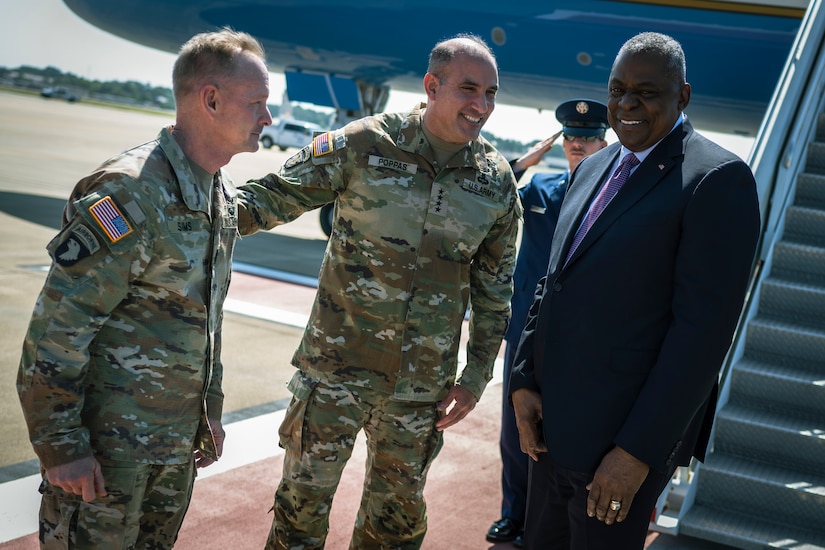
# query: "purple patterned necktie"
607,193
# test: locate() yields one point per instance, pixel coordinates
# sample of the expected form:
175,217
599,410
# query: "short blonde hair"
211,56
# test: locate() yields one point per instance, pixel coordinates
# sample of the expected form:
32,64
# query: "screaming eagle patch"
78,244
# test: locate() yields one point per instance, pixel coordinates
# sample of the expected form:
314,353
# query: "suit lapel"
580,193
647,176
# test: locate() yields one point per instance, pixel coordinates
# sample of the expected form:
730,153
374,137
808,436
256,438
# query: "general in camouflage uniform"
120,376
417,235
121,359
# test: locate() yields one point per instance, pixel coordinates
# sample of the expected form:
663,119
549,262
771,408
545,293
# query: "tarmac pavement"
45,146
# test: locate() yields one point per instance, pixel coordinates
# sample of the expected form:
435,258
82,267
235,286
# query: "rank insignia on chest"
110,219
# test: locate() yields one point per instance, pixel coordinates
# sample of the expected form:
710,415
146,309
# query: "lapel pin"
661,167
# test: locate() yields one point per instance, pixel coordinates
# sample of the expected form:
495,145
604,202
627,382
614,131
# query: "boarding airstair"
763,482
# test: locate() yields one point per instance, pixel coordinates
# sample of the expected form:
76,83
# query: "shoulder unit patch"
76,245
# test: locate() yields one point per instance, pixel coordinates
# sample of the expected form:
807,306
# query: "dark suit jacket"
541,201
625,342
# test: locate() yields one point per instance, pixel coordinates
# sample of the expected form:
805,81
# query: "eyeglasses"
586,139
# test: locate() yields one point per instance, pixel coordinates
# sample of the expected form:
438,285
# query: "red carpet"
463,495
230,510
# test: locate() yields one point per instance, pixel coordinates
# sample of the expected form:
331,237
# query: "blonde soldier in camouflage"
426,217
120,378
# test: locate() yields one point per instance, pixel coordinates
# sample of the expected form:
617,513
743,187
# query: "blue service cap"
583,117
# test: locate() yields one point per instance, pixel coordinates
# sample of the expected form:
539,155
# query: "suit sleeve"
522,375
720,229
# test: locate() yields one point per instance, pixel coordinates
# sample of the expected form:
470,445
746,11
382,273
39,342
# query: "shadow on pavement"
37,209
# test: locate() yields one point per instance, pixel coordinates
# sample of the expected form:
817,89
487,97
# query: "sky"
43,33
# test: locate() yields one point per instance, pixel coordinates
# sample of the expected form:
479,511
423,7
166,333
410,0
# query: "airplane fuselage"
548,51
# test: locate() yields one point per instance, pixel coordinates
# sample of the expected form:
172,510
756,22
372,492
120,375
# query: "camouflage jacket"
122,354
411,244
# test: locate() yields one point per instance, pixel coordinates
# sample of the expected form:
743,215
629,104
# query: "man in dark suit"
615,378
584,123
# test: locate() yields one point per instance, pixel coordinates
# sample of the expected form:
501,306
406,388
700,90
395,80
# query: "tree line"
142,94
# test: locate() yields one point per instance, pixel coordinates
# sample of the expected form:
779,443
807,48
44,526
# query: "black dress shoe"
518,542
503,530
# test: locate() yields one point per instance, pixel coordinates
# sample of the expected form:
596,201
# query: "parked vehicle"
59,92
289,133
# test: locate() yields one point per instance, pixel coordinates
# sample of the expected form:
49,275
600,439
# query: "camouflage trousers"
143,509
318,434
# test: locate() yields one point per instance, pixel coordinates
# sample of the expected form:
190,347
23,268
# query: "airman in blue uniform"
584,123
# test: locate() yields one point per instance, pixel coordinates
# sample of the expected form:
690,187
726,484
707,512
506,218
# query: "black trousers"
557,512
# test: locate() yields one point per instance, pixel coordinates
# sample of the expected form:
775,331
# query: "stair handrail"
780,150
776,156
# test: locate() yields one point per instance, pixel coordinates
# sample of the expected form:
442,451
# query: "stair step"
763,491
805,225
770,437
767,339
816,158
725,526
789,388
798,262
810,190
792,302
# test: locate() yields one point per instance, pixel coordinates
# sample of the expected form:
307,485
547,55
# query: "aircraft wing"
548,51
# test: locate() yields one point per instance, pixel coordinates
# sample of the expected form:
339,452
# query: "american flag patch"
322,145
112,222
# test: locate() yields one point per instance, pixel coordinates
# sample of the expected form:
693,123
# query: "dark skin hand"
527,405
618,477
458,404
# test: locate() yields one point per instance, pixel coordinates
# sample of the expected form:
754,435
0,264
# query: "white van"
289,133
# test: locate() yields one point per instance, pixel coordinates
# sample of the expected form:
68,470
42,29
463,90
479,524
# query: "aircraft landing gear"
326,218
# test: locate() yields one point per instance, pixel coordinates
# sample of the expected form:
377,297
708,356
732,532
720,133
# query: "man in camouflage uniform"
120,377
426,218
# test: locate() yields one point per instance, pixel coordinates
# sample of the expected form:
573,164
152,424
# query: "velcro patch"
297,158
481,188
81,243
322,145
108,216
401,166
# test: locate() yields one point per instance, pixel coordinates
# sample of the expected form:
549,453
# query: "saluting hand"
535,153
